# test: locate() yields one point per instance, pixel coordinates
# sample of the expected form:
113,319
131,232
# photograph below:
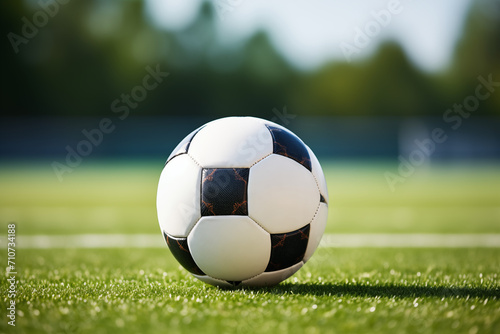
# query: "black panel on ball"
288,249
234,283
322,199
224,191
180,250
289,145
183,146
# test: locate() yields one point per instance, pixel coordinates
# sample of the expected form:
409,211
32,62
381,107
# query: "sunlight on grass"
360,290
119,197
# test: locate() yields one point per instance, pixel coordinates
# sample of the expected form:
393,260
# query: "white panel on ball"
178,198
316,232
282,195
318,174
274,277
231,142
231,248
214,281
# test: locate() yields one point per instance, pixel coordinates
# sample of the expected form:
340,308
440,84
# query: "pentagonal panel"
183,146
319,175
288,248
317,229
180,249
282,195
224,191
178,198
272,278
231,248
287,144
231,142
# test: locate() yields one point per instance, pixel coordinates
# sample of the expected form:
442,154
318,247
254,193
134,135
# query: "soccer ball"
242,202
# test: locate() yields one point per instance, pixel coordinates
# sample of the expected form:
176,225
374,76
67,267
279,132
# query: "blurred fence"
343,138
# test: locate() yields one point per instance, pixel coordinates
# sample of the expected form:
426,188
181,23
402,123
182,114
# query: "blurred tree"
387,84
477,54
210,79
80,60
92,51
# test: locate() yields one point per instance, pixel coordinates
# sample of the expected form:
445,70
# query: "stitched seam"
194,160
315,213
256,222
218,279
192,227
267,156
253,276
272,271
319,188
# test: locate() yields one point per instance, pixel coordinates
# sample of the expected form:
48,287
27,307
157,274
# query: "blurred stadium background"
67,66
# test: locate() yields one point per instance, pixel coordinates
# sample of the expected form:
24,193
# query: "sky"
309,33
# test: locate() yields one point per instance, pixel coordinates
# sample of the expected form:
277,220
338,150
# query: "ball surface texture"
242,202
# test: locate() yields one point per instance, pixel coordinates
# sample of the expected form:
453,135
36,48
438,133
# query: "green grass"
337,291
120,198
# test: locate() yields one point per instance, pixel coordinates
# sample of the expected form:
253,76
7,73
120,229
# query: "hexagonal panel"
231,142
178,198
316,232
230,248
282,195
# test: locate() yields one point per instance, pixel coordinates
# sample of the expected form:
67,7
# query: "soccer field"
357,289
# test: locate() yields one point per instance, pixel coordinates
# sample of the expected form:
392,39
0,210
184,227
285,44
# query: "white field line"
328,241
411,240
